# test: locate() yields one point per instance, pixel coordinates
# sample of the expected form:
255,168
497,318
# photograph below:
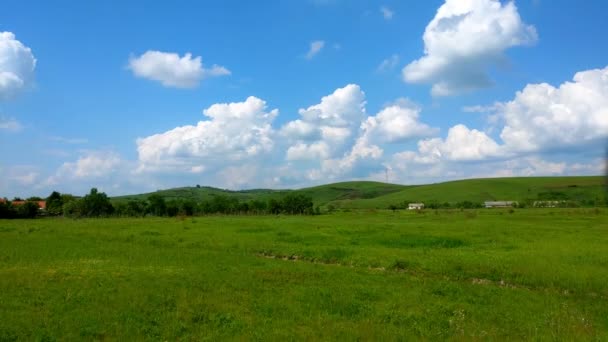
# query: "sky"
135,96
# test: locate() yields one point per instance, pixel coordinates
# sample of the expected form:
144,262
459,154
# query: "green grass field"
531,274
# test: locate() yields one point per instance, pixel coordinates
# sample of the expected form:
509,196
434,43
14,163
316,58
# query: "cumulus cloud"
172,70
541,122
10,124
234,132
397,122
463,40
461,144
318,150
315,48
542,117
325,129
17,64
387,13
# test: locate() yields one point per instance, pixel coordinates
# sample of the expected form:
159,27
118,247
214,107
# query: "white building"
500,204
415,206
547,204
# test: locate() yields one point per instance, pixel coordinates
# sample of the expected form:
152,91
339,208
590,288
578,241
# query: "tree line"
97,204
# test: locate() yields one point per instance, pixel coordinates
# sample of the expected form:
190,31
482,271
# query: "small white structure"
500,204
415,206
547,204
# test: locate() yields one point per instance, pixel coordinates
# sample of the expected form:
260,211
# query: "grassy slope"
380,195
447,275
320,194
349,190
479,190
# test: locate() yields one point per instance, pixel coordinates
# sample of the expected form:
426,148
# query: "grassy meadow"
539,274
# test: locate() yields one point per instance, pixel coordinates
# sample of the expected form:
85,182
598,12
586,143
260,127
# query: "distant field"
537,274
377,195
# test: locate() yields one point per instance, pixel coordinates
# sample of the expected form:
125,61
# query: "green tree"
96,204
173,208
157,205
27,210
188,207
54,204
7,211
73,208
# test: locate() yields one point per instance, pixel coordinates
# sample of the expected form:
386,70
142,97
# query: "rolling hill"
479,190
368,195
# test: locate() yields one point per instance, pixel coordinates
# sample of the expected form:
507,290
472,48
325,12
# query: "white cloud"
396,123
238,176
345,107
26,179
461,144
326,129
387,13
234,132
316,151
542,117
315,48
463,40
10,124
361,152
172,70
299,129
91,165
388,64
17,64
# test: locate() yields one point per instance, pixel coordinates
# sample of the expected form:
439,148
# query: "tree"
54,204
27,210
173,208
96,204
157,205
274,206
187,207
73,208
258,207
7,210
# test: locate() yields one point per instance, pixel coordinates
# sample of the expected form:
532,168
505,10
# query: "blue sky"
136,96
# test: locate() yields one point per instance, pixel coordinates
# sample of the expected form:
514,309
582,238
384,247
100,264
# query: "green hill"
204,193
321,195
479,190
366,194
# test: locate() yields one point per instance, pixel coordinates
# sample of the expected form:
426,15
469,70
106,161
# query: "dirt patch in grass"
423,241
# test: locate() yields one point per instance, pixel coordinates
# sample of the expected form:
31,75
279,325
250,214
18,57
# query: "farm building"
41,204
500,204
547,204
415,206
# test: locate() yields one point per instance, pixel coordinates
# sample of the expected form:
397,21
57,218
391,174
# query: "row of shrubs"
28,209
291,204
97,204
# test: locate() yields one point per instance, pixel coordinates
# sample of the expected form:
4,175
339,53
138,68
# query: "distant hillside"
204,193
321,195
479,190
364,194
